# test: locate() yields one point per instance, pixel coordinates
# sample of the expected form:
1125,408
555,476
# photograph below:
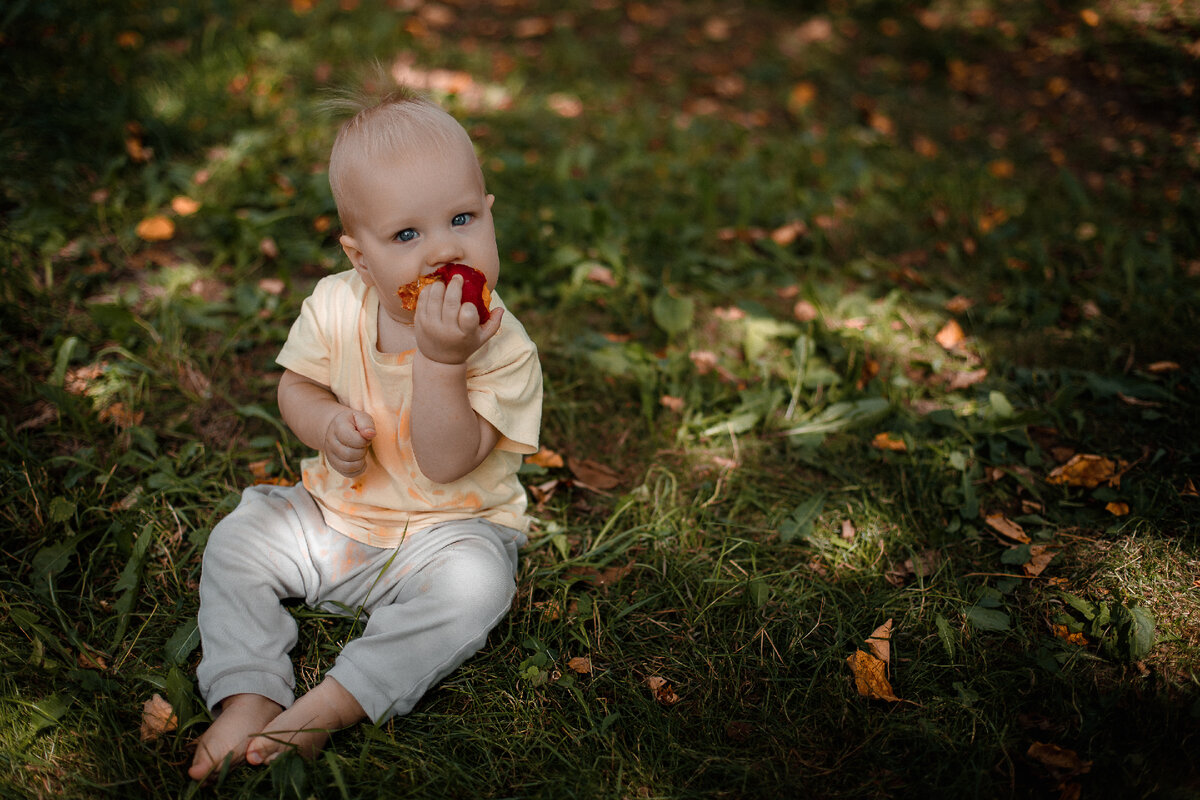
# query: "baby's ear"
354,253
491,200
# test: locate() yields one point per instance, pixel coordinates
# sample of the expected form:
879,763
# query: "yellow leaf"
580,664
662,690
1064,633
1007,528
1088,471
1117,509
1089,17
870,677
880,642
885,441
155,229
157,718
545,457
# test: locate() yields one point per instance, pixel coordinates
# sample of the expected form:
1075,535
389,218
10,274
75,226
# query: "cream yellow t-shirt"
333,342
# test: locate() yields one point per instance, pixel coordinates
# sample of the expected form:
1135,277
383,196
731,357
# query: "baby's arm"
449,438
317,418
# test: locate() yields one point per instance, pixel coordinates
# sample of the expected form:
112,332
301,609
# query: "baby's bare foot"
242,716
305,727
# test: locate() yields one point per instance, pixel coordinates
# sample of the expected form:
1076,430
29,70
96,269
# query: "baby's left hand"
448,330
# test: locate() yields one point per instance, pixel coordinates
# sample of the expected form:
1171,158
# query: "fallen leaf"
120,416
662,690
1001,168
601,578
580,664
675,404
880,642
1064,633
1117,509
965,380
1088,471
272,286
155,229
801,97
184,206
592,474
1159,367
848,531
1189,489
1063,763
959,304
1040,557
870,678
804,311
158,718
1007,528
545,457
886,441
951,336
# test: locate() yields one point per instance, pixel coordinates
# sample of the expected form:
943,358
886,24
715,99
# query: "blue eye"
461,219
406,235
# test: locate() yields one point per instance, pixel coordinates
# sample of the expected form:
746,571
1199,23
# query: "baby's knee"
478,577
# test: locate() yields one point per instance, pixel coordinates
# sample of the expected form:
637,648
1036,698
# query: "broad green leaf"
1000,405
673,314
987,619
798,524
947,634
61,509
1016,556
1141,632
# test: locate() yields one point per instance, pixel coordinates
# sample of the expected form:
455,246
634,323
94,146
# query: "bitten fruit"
475,289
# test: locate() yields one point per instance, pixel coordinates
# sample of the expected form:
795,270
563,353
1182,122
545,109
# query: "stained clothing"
333,343
429,569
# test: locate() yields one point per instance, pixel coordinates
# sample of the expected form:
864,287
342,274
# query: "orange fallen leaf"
1001,168
672,403
158,718
545,457
951,335
662,690
155,229
886,441
120,416
1007,528
1088,471
1089,17
1117,509
580,664
184,206
1064,633
1159,367
801,97
870,677
1189,489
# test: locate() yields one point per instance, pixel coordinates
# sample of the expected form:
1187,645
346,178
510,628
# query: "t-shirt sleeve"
507,392
307,349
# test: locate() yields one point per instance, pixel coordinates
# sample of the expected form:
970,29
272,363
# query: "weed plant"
831,293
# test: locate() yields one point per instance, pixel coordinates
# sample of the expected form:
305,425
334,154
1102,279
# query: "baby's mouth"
475,288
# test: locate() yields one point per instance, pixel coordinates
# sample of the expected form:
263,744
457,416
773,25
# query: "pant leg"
255,558
449,586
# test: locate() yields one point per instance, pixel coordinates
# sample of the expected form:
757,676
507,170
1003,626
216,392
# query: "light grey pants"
429,603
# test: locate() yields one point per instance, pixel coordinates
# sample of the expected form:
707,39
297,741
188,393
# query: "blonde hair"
395,126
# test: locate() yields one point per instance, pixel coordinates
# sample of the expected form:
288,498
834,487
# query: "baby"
411,510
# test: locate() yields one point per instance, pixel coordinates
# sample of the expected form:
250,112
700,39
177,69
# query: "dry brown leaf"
1089,471
848,530
951,335
1063,763
121,416
605,577
592,474
804,311
870,677
1159,367
545,457
580,664
662,690
158,718
885,441
1007,528
880,642
965,380
155,229
672,403
1040,557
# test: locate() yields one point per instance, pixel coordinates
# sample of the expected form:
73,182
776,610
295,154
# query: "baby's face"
416,215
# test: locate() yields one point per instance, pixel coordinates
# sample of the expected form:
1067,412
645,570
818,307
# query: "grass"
739,234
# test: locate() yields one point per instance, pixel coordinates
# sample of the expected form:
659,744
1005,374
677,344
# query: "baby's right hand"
347,440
